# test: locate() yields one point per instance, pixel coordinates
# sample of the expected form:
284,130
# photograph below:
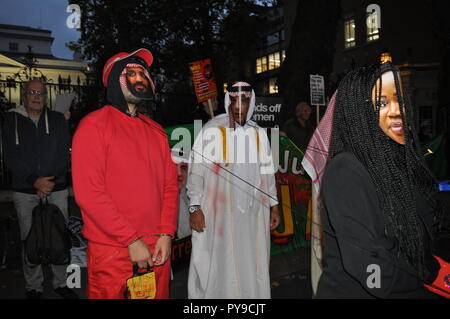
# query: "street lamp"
385,57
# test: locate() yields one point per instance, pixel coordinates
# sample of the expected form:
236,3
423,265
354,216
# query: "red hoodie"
124,179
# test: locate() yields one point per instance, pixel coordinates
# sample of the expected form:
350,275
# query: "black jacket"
31,152
355,238
298,134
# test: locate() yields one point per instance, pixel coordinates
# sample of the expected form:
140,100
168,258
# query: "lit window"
274,60
264,63
261,65
13,46
273,87
373,30
258,66
350,39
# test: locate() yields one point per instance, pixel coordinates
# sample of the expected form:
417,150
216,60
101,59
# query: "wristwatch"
194,208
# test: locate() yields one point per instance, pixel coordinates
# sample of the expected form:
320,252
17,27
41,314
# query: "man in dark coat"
36,143
299,129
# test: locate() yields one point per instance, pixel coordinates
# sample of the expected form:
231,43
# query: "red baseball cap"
144,54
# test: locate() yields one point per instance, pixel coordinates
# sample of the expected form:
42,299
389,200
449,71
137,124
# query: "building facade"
365,29
271,52
26,53
403,29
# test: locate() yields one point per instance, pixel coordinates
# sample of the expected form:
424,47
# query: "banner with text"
203,78
317,89
267,111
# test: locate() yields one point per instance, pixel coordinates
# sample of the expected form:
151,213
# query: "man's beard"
139,94
129,97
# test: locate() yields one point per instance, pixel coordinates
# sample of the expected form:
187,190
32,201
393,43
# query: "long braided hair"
395,169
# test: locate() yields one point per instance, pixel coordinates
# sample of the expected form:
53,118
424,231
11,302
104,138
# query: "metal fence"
10,96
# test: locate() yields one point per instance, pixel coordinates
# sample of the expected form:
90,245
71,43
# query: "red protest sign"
203,78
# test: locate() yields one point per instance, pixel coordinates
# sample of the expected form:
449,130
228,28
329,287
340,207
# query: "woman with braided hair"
378,198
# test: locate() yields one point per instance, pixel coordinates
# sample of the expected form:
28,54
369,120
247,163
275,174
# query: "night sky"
46,14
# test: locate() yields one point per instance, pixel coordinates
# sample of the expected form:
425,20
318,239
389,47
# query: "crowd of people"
379,204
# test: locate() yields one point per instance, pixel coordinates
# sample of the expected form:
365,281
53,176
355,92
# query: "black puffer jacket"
31,152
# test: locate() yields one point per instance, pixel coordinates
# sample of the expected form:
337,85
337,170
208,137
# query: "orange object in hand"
142,285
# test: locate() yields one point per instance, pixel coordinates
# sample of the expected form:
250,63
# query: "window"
349,31
258,66
270,62
272,39
273,87
261,65
13,46
274,60
373,30
264,63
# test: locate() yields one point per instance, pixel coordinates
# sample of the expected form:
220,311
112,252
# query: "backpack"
48,241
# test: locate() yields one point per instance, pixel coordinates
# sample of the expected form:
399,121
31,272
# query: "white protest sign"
317,89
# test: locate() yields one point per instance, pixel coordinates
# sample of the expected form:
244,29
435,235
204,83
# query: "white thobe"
230,259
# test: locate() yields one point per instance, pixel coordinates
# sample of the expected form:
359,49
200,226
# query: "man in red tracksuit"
125,182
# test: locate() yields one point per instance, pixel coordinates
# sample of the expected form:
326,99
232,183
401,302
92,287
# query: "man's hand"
67,115
274,217
197,220
162,250
140,254
44,185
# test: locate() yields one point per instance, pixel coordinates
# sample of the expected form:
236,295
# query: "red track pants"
109,268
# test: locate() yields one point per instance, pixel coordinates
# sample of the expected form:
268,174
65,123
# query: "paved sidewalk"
290,274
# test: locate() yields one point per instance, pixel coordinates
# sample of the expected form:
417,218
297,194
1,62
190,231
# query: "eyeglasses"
36,92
